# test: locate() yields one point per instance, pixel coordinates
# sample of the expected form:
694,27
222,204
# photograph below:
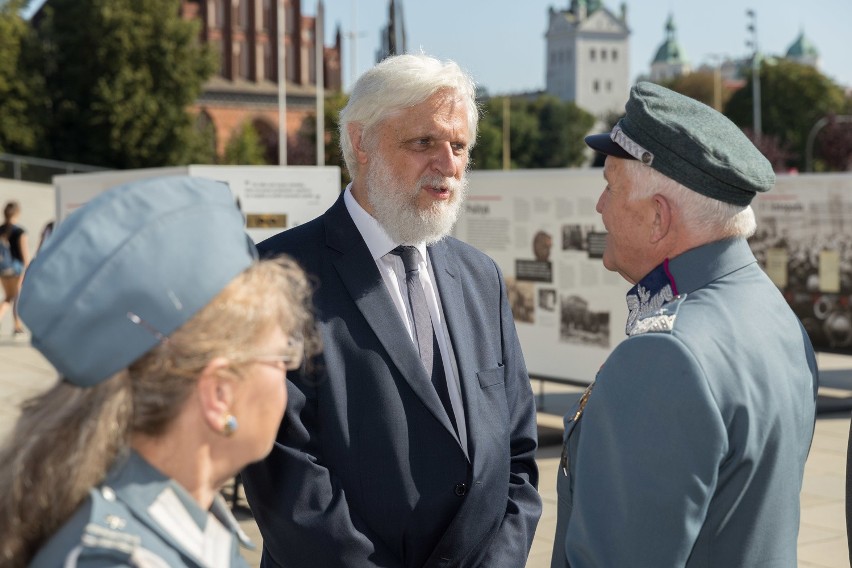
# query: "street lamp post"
717,59
319,62
755,73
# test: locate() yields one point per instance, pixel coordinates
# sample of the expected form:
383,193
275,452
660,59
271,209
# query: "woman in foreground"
172,344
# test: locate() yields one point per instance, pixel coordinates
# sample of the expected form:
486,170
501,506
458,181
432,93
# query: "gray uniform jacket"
140,518
691,448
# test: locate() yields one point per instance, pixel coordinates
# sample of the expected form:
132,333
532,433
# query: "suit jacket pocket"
491,377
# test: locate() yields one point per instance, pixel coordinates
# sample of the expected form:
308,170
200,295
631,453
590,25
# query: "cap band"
637,151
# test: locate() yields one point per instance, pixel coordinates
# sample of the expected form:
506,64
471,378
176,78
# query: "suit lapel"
359,274
451,291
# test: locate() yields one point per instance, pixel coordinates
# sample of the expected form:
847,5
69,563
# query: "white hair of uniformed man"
705,216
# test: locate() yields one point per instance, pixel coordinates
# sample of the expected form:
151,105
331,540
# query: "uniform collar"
161,502
649,294
684,274
698,267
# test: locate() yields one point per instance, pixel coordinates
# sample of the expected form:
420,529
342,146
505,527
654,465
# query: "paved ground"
822,538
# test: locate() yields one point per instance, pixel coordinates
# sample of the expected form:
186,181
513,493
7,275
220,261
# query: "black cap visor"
605,145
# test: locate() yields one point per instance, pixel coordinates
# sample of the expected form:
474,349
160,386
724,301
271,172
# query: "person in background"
689,448
14,237
46,231
172,365
412,442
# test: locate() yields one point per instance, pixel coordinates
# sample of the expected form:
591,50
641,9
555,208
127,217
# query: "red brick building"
245,90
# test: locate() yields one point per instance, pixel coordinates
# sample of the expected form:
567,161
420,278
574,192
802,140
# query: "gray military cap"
688,142
129,268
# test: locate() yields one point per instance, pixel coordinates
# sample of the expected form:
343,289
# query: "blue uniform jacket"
139,517
691,448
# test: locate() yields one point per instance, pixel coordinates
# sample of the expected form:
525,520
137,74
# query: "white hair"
397,83
706,217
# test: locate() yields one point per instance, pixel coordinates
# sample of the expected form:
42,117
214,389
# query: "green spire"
802,47
670,51
594,6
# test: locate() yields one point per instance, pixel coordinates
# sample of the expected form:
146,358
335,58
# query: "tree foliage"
563,126
333,155
793,98
119,77
543,133
834,144
17,133
244,148
701,86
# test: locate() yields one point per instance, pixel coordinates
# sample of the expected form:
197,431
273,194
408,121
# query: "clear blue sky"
501,42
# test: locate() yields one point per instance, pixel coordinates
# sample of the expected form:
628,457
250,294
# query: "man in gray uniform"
690,446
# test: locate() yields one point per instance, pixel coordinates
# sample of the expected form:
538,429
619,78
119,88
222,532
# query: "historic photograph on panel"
521,299
580,325
547,299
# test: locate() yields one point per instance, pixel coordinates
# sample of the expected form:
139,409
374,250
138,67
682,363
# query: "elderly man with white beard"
410,442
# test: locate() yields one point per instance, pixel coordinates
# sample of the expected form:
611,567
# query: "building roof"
802,47
670,51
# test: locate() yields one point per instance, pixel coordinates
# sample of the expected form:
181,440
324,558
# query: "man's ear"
662,218
356,135
215,391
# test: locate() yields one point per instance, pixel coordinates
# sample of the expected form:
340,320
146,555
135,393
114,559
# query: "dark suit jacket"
367,470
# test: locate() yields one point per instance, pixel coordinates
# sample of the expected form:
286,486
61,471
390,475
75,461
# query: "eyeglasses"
281,362
285,362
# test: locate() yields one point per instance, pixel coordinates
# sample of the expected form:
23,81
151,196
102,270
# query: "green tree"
201,146
563,125
543,133
120,75
244,148
834,144
17,133
524,135
333,156
487,154
301,150
793,98
700,86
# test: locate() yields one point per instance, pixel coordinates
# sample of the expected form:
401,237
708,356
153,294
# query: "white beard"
395,206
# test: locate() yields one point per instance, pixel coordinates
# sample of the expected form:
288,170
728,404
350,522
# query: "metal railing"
38,170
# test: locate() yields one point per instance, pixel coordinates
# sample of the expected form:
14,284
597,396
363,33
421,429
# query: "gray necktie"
427,342
417,300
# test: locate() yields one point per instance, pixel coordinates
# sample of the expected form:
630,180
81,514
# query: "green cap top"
688,142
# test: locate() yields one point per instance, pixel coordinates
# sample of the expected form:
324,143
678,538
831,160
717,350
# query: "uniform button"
108,493
115,523
460,489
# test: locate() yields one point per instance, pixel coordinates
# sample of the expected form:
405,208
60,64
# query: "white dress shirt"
380,245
